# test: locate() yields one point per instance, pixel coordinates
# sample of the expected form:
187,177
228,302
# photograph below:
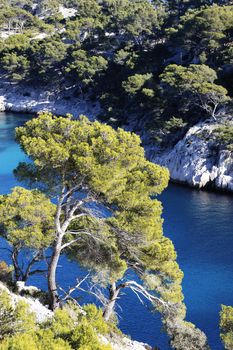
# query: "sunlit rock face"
198,161
22,98
41,312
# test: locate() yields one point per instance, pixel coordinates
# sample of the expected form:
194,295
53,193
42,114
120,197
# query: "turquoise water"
200,225
10,153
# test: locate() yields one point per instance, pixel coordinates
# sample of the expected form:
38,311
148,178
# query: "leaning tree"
85,165
106,213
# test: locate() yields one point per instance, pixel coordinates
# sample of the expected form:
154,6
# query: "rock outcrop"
123,343
197,160
23,98
41,312
30,290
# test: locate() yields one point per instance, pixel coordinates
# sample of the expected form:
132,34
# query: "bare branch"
77,239
138,288
68,296
36,258
36,271
68,244
91,290
138,296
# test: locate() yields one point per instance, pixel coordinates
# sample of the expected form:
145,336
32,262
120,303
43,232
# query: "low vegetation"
68,329
224,136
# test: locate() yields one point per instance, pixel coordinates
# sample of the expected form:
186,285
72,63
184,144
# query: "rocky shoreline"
18,98
193,161
197,161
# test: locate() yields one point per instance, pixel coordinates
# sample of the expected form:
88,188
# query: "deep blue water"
200,225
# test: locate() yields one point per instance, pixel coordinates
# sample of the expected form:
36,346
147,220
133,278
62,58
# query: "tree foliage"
69,329
116,52
108,167
226,326
202,32
224,136
27,223
85,67
194,86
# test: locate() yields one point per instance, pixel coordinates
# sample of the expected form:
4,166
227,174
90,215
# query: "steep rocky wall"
197,161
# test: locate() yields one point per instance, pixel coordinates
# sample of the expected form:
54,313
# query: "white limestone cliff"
29,99
196,160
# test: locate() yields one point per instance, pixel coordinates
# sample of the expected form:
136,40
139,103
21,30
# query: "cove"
200,225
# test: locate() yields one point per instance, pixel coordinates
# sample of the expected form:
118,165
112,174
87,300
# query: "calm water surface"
200,225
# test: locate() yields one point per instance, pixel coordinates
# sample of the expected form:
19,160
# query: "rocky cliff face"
29,99
196,160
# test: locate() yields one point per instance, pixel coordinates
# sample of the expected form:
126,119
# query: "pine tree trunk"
17,270
27,272
52,286
109,308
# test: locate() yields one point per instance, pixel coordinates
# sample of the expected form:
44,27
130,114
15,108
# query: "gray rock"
41,312
21,98
197,161
123,343
31,290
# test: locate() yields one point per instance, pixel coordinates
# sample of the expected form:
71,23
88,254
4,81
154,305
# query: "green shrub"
16,319
224,136
95,318
80,330
226,326
40,341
